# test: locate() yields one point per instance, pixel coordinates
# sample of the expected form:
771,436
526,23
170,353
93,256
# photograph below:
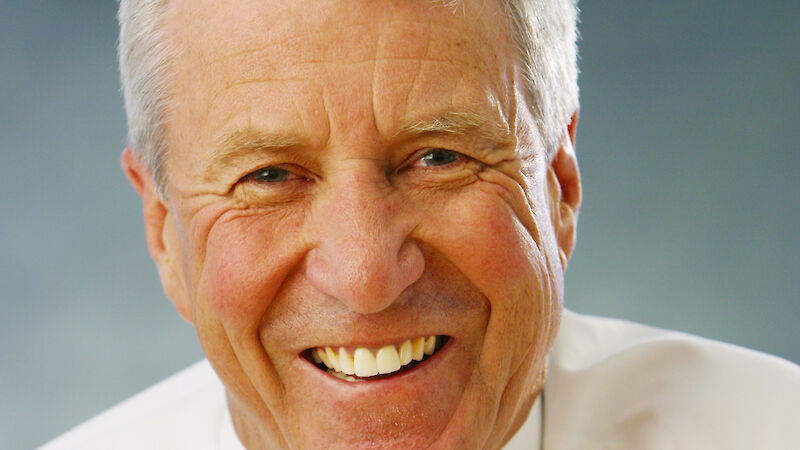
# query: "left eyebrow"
462,124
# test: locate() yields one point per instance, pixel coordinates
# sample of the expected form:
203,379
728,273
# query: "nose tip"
367,276
360,237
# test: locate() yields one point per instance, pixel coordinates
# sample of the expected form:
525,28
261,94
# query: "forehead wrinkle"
374,105
302,117
244,82
374,59
282,42
270,42
417,74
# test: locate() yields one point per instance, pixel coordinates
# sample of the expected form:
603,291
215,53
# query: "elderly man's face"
357,175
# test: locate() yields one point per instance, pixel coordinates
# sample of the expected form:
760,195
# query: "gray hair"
544,32
143,61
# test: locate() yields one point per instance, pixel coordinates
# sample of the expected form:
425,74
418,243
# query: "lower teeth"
344,376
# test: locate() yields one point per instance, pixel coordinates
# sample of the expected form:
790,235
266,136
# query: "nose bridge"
361,205
362,253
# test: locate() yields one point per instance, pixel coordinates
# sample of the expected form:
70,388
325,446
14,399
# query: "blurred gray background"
688,144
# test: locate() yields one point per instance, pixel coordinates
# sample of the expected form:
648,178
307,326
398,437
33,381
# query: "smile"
362,363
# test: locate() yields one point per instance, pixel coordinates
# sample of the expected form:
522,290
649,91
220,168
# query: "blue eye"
439,157
271,174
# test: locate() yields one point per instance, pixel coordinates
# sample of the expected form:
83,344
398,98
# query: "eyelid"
294,173
417,159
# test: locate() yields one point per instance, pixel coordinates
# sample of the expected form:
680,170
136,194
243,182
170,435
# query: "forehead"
291,63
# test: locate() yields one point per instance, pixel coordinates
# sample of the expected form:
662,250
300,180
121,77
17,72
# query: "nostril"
411,263
369,278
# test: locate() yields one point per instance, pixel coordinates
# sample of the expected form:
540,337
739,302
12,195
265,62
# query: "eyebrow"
460,123
241,143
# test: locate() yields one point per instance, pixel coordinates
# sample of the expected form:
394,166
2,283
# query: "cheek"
483,235
487,240
246,260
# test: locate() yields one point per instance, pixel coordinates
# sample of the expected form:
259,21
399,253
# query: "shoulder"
615,384
186,408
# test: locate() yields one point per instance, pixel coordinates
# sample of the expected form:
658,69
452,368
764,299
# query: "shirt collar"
529,435
228,439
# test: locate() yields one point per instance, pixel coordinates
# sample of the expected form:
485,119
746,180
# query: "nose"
362,254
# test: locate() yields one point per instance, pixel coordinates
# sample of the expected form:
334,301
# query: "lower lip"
385,382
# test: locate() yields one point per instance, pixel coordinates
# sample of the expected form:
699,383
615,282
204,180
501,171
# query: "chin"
419,406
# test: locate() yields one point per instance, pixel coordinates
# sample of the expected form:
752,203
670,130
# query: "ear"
161,232
564,186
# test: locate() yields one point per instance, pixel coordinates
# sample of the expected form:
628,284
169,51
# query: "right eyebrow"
241,143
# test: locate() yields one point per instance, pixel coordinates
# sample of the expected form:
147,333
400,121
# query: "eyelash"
285,175
452,157
431,152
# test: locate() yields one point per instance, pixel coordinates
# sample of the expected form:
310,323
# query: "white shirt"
610,384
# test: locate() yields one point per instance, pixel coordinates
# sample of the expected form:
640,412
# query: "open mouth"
362,363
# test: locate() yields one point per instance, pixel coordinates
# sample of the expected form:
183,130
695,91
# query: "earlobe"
564,184
160,232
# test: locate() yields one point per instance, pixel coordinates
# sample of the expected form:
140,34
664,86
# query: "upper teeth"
364,362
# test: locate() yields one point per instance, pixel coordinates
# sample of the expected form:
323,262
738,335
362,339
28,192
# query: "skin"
303,210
